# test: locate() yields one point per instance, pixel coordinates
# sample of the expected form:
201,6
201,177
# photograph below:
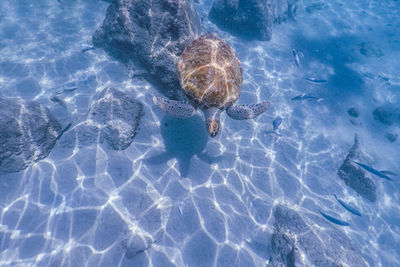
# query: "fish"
296,58
180,207
347,207
292,12
372,170
58,100
63,131
334,220
66,90
307,97
278,120
315,80
87,47
389,173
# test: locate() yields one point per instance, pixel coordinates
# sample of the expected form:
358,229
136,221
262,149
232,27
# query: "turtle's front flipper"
244,112
174,108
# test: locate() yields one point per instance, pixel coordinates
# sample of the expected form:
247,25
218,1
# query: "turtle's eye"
213,126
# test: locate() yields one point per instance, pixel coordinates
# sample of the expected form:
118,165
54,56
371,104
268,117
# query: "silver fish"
372,170
389,173
315,80
277,122
307,97
334,220
347,207
87,47
66,90
296,58
58,100
63,131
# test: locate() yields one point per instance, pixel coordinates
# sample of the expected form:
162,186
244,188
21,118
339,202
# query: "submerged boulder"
252,19
28,132
387,114
354,176
150,35
113,118
392,137
295,243
353,112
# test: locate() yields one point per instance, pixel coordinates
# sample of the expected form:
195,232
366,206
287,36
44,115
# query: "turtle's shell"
210,73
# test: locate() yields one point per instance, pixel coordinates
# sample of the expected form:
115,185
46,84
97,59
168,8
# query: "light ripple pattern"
175,197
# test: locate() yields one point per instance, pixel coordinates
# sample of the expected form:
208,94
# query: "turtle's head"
213,126
212,120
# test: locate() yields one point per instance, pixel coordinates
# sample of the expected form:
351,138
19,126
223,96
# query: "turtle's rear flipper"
174,108
244,112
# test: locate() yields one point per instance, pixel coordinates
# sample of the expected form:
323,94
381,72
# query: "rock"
370,50
149,34
283,10
353,112
283,248
294,241
354,176
252,19
28,132
316,7
392,137
385,114
113,117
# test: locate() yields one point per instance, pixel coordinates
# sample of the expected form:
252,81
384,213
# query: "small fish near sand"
307,97
63,131
87,47
296,58
347,207
276,123
315,80
58,100
66,90
373,171
334,220
389,173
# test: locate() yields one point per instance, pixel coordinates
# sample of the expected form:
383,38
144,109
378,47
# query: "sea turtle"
211,77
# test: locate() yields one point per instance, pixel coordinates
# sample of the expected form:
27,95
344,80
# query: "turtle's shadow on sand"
183,138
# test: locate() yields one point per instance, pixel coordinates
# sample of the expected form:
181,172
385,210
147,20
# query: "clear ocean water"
175,196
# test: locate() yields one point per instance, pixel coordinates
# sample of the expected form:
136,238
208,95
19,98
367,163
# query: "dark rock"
354,176
149,34
113,118
252,19
28,132
385,114
353,112
320,246
283,248
316,7
370,50
391,137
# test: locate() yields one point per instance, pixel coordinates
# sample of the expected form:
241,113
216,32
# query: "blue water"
176,196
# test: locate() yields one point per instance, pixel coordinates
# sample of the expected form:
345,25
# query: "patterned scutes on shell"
210,73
